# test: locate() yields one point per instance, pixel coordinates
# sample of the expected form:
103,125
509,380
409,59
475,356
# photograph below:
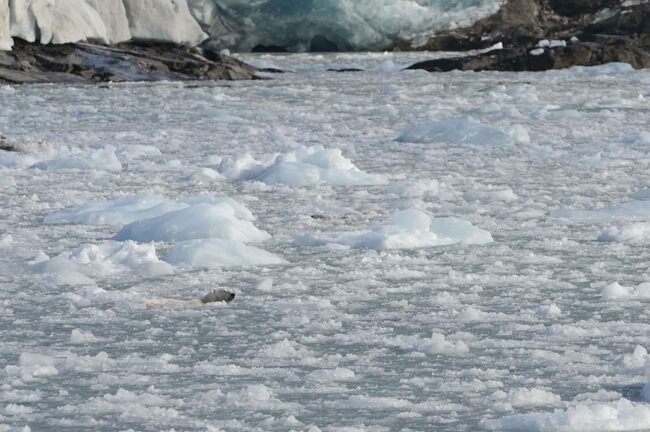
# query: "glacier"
343,25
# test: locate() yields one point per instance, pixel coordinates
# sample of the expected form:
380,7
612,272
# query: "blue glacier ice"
347,24
241,25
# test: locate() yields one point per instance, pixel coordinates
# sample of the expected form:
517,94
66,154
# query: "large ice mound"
218,253
199,221
301,167
125,210
104,259
89,159
408,229
209,231
463,131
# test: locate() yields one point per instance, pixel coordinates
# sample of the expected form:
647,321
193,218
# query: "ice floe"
48,157
616,291
621,415
637,233
103,259
463,131
407,229
628,210
199,221
219,252
125,210
304,166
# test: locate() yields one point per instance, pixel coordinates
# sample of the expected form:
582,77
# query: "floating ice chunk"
103,159
361,402
80,337
204,175
536,51
69,277
6,240
438,344
408,229
636,360
304,166
115,212
532,397
255,396
285,349
621,415
491,195
628,210
606,69
326,375
458,131
616,291
638,233
199,221
121,211
105,259
218,252
643,194
33,366
551,310
131,406
7,181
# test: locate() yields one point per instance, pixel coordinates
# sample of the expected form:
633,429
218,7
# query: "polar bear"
216,295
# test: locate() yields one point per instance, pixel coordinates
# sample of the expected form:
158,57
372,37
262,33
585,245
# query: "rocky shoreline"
90,63
573,33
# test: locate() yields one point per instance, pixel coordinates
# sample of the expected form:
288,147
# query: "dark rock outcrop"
88,63
596,31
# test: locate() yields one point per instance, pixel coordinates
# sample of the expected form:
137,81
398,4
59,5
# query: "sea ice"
218,253
125,210
408,229
462,131
103,159
106,258
304,166
627,210
637,233
199,221
616,291
621,415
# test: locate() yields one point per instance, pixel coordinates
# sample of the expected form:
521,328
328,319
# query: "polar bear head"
218,295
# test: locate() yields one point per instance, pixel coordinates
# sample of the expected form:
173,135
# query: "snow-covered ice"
464,287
